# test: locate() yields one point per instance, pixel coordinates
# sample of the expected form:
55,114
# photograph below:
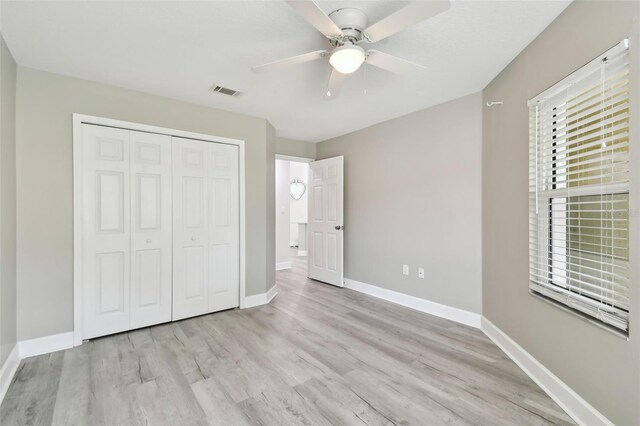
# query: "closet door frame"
78,121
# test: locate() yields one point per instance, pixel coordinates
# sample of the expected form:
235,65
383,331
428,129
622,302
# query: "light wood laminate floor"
316,355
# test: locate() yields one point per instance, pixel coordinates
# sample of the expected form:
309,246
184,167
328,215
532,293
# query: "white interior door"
224,227
151,233
326,205
106,230
190,228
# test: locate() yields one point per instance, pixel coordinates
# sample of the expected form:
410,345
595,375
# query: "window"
579,190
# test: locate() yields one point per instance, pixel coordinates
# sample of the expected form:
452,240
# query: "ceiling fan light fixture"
347,58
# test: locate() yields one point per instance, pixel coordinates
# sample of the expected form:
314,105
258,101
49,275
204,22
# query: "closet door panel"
190,229
151,229
224,254
106,262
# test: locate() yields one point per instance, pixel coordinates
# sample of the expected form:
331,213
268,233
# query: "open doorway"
292,174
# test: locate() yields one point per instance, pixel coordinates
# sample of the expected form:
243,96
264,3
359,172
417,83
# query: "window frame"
548,196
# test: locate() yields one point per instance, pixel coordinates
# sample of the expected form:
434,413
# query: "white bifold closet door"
205,225
151,232
126,214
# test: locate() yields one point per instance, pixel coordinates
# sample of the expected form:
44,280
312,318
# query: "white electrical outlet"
405,269
420,272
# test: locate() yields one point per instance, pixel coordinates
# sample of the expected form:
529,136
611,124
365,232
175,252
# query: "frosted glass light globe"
347,58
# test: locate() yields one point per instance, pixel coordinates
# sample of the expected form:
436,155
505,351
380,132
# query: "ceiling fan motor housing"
351,21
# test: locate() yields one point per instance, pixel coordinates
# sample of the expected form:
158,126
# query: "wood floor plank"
316,355
340,404
219,408
32,394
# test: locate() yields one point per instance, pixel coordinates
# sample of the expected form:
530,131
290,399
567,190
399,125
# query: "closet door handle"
193,238
148,240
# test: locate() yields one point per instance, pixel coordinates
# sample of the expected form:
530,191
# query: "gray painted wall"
603,368
295,148
45,103
7,202
412,196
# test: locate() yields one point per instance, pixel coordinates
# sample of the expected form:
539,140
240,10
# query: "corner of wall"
8,277
270,182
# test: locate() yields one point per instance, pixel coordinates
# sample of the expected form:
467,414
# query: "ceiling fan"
346,29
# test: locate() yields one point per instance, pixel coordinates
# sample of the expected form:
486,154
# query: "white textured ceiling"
179,49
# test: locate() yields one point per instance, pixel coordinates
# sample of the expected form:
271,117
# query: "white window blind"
579,190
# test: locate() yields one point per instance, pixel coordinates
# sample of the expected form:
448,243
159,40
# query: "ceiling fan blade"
335,84
294,60
395,65
316,17
404,18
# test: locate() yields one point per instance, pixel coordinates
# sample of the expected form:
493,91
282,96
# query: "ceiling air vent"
225,91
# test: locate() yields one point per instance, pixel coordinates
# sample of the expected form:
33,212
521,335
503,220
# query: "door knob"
338,227
193,238
148,240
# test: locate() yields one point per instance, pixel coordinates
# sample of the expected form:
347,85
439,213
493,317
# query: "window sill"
581,315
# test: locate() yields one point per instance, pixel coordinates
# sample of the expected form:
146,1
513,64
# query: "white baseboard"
8,370
272,293
45,345
260,299
573,404
283,265
454,314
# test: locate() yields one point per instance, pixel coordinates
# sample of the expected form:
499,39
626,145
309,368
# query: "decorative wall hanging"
297,188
